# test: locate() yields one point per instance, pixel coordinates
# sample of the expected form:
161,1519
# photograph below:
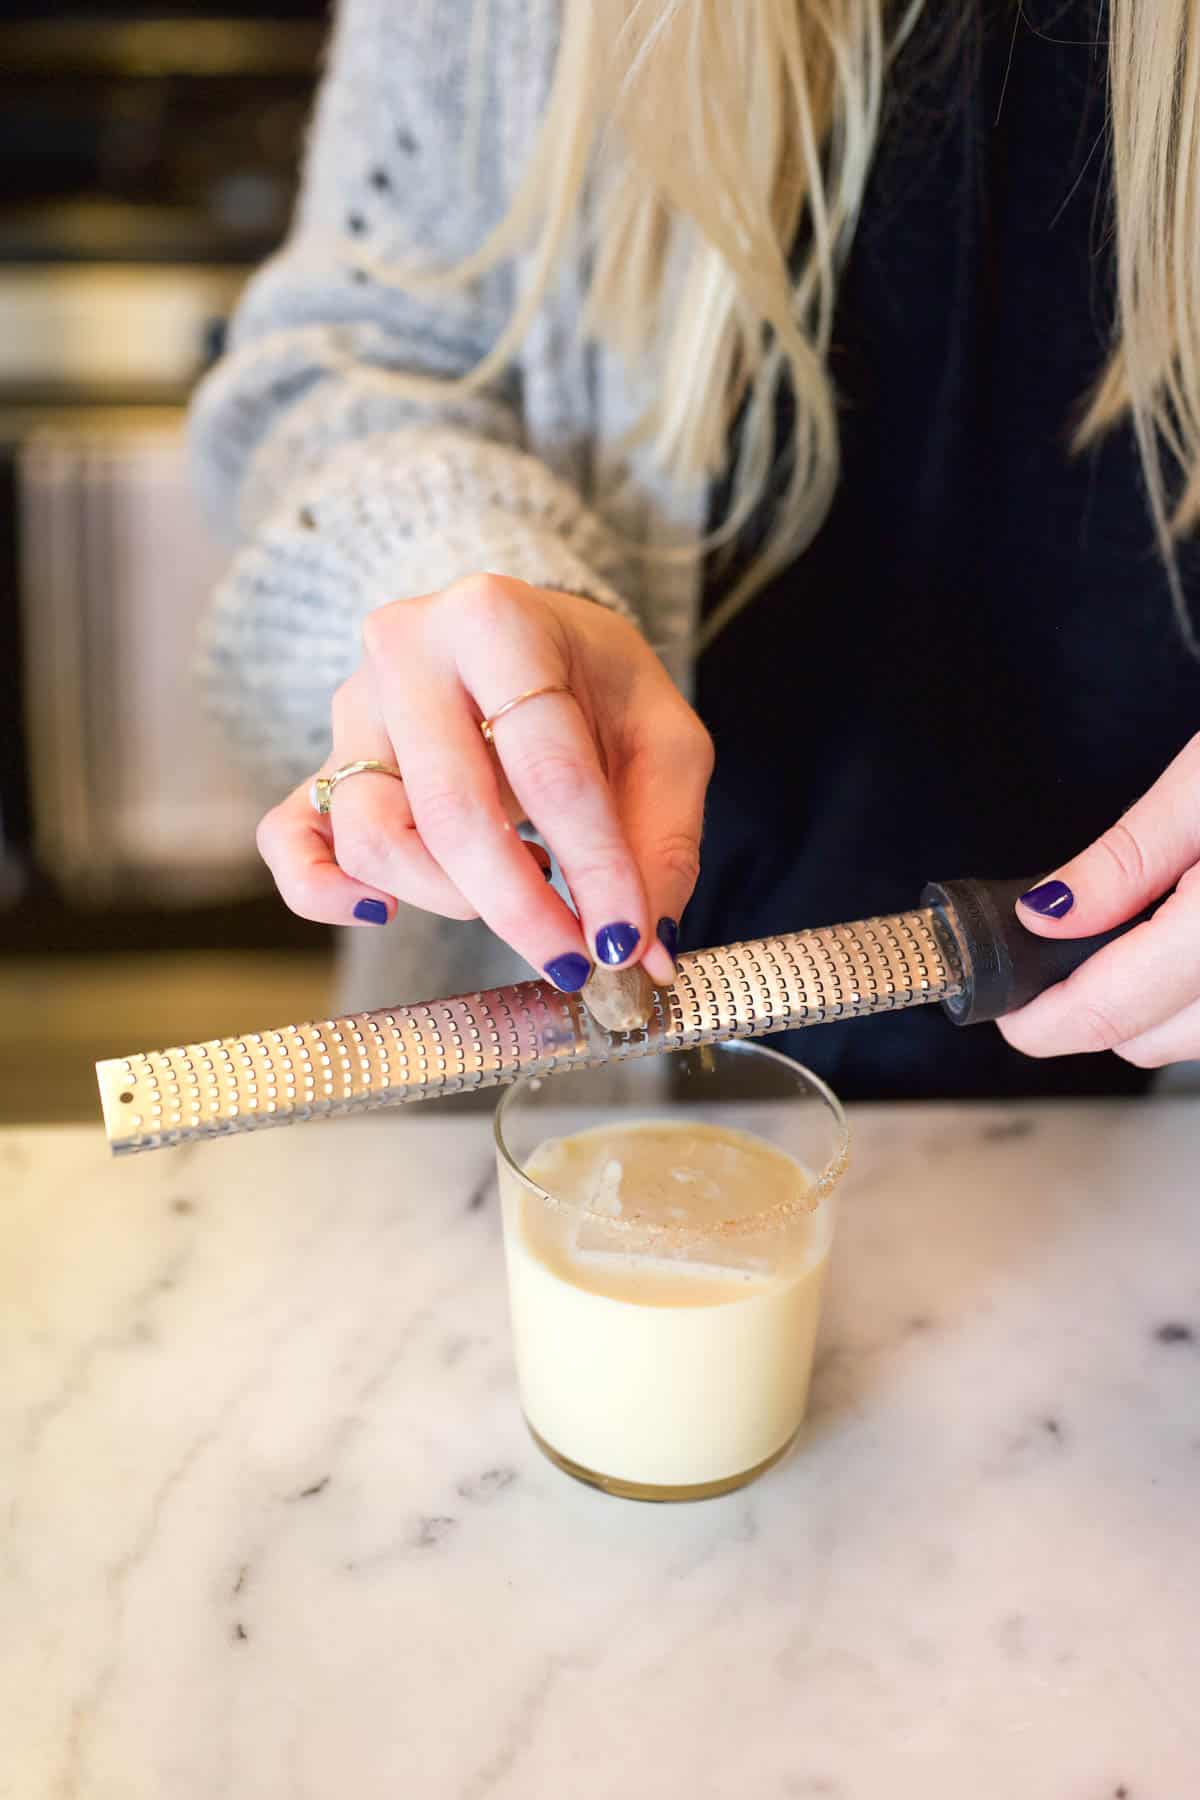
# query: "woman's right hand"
612,773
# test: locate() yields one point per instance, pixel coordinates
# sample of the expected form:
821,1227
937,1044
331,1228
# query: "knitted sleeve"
339,490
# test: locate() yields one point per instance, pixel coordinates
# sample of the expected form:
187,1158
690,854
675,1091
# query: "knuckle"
678,854
445,816
608,867
1098,1029
484,599
698,753
363,849
553,779
689,744
387,626
704,751
383,624
683,746
1122,848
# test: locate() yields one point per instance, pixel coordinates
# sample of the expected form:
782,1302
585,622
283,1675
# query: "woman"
860,351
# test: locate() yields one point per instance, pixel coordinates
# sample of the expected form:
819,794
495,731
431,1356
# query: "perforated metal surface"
294,1072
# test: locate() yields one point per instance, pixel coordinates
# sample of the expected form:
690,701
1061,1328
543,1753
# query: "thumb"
1135,862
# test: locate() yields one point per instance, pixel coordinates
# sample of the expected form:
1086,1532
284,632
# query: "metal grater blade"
297,1072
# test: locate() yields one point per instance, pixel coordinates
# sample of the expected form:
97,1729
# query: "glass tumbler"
667,1224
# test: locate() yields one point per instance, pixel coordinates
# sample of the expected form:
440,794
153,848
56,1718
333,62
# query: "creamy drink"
665,1282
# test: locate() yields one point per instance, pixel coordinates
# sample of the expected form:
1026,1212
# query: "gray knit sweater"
341,493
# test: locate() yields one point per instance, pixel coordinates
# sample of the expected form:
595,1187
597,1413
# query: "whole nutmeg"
619,999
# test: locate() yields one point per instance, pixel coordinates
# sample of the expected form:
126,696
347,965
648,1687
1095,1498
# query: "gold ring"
488,726
321,791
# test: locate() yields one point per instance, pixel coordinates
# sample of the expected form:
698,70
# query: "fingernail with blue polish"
371,912
614,943
668,937
569,972
1050,899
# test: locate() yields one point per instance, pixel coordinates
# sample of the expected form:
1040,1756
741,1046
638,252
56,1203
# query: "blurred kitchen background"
148,158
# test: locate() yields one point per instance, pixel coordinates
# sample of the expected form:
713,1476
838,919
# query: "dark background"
158,146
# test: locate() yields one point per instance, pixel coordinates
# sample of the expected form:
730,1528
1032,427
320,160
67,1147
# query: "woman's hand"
1139,996
612,773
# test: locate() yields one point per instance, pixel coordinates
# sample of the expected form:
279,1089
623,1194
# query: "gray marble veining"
272,1528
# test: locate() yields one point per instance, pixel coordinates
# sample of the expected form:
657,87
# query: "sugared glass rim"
806,1203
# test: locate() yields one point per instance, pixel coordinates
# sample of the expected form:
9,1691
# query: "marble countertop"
273,1528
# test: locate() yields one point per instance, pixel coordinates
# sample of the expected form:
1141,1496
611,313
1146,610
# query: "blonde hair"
724,150
1153,376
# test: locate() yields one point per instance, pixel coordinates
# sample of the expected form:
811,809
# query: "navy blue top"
976,666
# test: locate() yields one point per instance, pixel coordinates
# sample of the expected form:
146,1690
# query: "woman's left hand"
1139,996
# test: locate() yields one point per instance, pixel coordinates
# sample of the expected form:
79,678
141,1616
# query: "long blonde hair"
724,149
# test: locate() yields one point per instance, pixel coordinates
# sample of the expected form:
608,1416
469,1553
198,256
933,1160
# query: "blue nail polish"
371,912
1050,899
614,943
569,972
668,937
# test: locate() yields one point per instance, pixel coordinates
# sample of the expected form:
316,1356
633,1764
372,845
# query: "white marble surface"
273,1529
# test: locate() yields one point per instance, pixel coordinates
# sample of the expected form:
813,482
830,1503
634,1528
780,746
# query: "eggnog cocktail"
667,1227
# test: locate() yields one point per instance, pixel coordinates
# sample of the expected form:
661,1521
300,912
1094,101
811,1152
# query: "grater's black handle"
1003,964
